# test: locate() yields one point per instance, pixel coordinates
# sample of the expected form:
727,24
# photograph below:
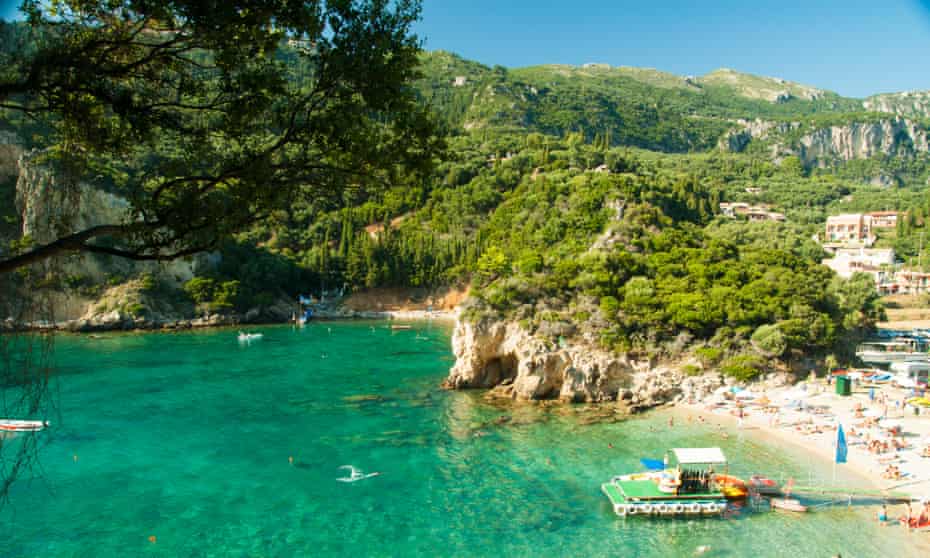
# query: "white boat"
246,337
787,504
11,425
910,374
886,352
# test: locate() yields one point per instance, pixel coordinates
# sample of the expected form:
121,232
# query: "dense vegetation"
585,202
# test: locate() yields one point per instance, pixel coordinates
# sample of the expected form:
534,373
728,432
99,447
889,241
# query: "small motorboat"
10,425
401,326
246,337
787,504
734,488
764,485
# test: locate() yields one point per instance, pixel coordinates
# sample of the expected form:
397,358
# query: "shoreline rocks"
512,363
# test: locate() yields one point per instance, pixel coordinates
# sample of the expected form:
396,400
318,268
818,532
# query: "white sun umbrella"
872,413
905,382
745,394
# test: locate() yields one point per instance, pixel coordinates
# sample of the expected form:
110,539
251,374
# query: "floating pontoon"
689,487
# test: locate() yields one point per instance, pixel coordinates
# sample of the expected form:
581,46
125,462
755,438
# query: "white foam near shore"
808,415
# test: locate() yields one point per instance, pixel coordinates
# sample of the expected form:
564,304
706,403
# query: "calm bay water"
186,437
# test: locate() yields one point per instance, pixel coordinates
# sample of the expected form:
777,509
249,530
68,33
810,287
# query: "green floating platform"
638,498
637,490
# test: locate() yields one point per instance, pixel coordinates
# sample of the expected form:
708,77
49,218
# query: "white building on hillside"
879,263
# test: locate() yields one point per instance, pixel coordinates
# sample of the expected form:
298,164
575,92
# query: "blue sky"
854,47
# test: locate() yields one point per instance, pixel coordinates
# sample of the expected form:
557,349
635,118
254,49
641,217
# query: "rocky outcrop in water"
500,355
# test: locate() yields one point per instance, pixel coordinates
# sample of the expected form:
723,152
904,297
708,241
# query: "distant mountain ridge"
660,111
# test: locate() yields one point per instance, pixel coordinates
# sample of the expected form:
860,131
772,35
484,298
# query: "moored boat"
764,485
689,488
11,425
249,336
734,488
787,504
886,352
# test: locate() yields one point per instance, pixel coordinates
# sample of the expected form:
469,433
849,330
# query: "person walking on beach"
883,515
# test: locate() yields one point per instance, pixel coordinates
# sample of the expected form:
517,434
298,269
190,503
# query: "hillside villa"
876,262
758,212
856,229
880,264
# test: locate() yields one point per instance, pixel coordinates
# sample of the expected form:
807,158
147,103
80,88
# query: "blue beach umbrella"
841,448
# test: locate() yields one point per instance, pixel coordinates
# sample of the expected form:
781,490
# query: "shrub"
136,309
609,307
493,262
743,367
200,289
147,282
691,370
769,340
709,356
529,262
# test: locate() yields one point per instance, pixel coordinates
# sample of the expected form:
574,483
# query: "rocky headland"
512,363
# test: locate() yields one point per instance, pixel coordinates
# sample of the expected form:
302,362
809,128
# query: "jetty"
690,488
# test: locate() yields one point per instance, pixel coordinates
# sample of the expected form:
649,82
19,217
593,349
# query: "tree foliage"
209,116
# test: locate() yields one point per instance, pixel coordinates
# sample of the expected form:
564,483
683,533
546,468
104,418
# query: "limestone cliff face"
501,355
747,130
831,144
10,152
51,205
907,103
862,140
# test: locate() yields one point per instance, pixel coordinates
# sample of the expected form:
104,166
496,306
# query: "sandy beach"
808,414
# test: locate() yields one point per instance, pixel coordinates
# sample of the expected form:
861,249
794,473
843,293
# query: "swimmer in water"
356,474
609,445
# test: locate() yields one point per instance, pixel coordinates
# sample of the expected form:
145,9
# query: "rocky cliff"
914,104
893,136
503,356
49,205
827,145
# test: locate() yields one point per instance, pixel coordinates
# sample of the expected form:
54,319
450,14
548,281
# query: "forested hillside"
584,201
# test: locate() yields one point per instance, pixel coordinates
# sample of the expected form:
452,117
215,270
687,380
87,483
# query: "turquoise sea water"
186,437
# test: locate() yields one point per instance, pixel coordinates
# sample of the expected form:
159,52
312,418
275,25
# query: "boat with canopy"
689,485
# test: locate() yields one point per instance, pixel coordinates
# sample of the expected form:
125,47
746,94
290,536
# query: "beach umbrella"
745,395
905,382
872,413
